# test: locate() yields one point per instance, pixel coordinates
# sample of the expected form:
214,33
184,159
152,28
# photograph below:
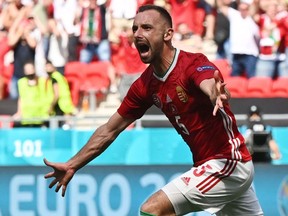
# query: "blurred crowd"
252,35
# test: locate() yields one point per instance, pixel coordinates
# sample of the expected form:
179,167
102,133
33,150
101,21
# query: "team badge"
181,94
157,101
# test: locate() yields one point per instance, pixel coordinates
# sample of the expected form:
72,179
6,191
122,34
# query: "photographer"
255,124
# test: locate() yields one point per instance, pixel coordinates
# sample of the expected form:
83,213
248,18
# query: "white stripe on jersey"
235,143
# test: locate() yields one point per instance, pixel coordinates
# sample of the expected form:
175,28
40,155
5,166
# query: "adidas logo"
186,180
168,99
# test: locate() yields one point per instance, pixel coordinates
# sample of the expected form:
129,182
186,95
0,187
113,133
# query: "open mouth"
143,48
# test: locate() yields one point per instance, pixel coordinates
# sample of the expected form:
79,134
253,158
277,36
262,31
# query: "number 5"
181,125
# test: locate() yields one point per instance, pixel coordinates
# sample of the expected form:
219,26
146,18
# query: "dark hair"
254,110
49,62
163,12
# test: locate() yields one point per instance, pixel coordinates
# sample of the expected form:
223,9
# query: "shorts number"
201,170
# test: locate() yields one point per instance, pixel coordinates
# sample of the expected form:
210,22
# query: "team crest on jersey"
181,94
207,67
157,101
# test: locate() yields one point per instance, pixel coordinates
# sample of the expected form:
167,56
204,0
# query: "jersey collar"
170,69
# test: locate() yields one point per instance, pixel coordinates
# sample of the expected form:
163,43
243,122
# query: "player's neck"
161,68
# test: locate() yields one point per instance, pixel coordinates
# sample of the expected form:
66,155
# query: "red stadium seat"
224,67
97,82
75,75
280,87
237,86
259,87
97,77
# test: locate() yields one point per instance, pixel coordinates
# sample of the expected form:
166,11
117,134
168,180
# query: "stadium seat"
224,67
75,75
97,77
259,87
97,82
280,87
237,86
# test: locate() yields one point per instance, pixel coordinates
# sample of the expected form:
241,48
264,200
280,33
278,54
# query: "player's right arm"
97,144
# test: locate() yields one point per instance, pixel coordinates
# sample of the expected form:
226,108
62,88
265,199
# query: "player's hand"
222,96
62,174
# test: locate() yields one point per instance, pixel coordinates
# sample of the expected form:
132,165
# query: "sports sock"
146,214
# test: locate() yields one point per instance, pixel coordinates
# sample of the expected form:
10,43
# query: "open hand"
62,174
222,94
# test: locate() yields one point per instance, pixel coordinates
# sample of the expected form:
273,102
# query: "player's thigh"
158,204
180,203
246,204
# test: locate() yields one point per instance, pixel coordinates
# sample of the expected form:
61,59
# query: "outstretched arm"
97,144
216,90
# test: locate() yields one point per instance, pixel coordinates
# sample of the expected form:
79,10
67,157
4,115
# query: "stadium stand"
224,66
280,87
237,86
259,87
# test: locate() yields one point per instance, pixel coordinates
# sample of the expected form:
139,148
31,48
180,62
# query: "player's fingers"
53,183
216,107
47,163
49,175
222,88
216,76
58,187
63,190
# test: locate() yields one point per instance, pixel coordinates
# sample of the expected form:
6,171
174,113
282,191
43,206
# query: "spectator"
58,47
67,17
94,38
58,93
121,12
283,24
208,8
222,30
4,49
11,10
94,34
22,37
40,14
244,39
271,61
183,38
255,124
182,11
132,64
31,101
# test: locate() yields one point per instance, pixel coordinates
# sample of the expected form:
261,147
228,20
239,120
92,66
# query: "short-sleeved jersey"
189,109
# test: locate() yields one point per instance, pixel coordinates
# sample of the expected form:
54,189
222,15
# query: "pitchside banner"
116,190
20,147
116,183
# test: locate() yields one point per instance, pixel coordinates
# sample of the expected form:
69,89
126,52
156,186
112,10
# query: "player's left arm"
215,89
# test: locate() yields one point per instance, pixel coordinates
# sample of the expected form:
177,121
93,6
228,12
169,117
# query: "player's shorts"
218,186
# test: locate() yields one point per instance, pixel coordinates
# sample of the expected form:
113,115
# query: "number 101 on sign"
28,148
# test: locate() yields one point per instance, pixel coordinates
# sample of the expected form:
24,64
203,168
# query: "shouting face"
149,30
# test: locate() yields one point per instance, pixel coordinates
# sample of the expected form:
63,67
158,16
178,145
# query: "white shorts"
218,186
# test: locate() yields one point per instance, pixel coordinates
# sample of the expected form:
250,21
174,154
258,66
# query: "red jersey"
189,110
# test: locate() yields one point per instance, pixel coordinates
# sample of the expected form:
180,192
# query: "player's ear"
168,34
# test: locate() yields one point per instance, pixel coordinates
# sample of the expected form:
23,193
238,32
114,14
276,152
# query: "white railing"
155,120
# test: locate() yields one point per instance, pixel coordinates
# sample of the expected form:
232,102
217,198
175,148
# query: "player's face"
148,30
